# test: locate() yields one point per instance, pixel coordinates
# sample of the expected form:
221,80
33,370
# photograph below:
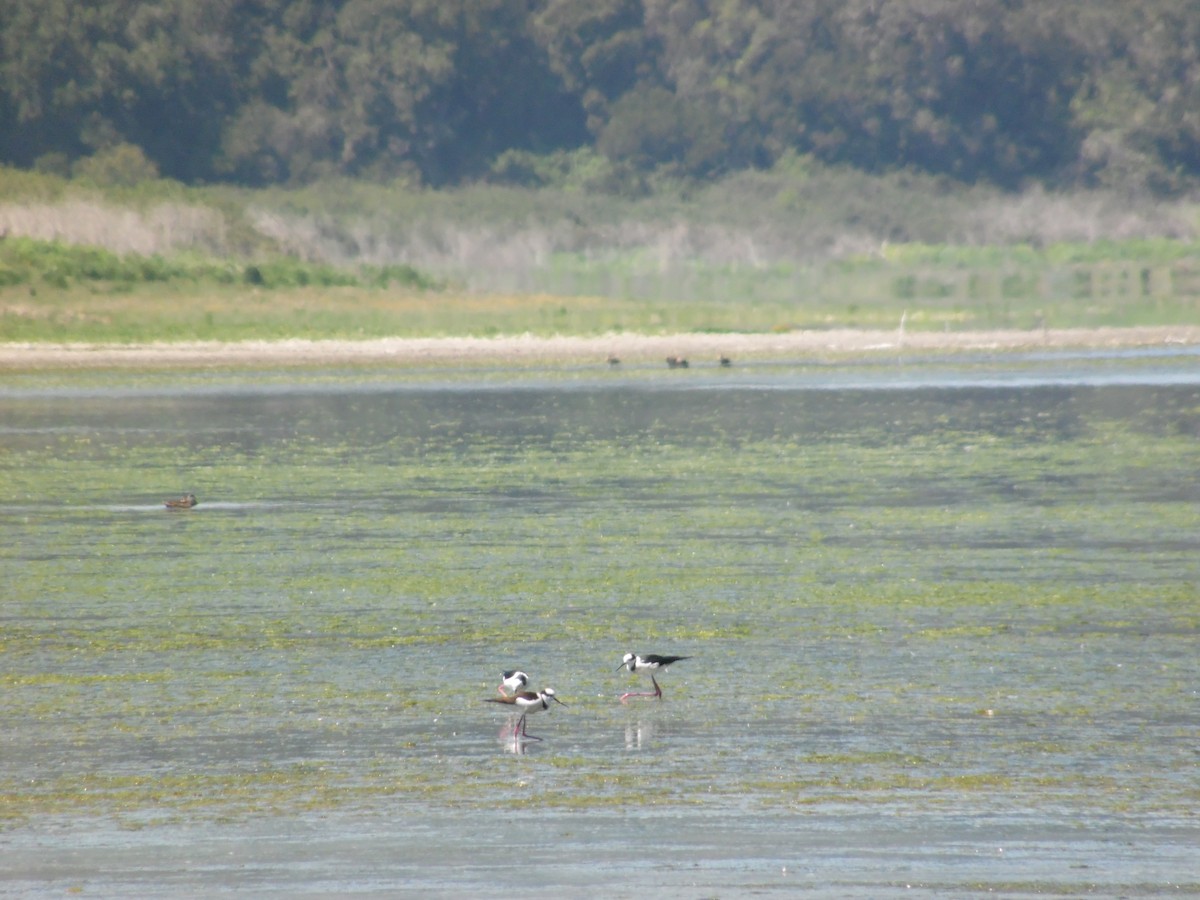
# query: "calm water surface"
942,621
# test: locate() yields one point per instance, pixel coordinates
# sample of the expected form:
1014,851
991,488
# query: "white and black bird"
514,681
650,663
528,702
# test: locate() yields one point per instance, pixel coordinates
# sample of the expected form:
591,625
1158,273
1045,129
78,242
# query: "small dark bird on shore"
187,501
676,362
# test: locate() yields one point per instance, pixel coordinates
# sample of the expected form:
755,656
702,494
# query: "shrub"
59,264
10,276
122,165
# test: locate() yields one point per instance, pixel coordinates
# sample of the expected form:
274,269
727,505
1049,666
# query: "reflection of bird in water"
517,748
514,680
187,501
676,362
639,734
528,702
651,663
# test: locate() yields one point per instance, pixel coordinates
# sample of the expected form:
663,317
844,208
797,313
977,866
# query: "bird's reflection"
640,733
514,744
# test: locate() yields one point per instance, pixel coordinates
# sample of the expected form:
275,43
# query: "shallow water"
943,623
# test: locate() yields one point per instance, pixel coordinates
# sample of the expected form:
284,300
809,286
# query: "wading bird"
528,702
650,663
514,681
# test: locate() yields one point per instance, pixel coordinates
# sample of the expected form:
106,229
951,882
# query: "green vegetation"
50,291
351,169
610,95
29,262
802,246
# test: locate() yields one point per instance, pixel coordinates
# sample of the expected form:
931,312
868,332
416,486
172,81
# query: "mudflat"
524,349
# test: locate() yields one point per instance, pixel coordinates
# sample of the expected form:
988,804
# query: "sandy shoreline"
524,349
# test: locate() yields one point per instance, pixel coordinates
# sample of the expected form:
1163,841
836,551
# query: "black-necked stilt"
514,681
187,501
528,702
651,663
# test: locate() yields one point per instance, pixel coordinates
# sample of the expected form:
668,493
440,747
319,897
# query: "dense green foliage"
24,261
610,94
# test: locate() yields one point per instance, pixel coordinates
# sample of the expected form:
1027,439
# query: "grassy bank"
50,291
795,248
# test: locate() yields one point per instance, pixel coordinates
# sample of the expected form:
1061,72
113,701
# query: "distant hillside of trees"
608,94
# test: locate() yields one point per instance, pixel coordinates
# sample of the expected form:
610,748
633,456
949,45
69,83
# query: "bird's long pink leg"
525,731
656,693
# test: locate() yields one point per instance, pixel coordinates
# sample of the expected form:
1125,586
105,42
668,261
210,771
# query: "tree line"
1070,93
